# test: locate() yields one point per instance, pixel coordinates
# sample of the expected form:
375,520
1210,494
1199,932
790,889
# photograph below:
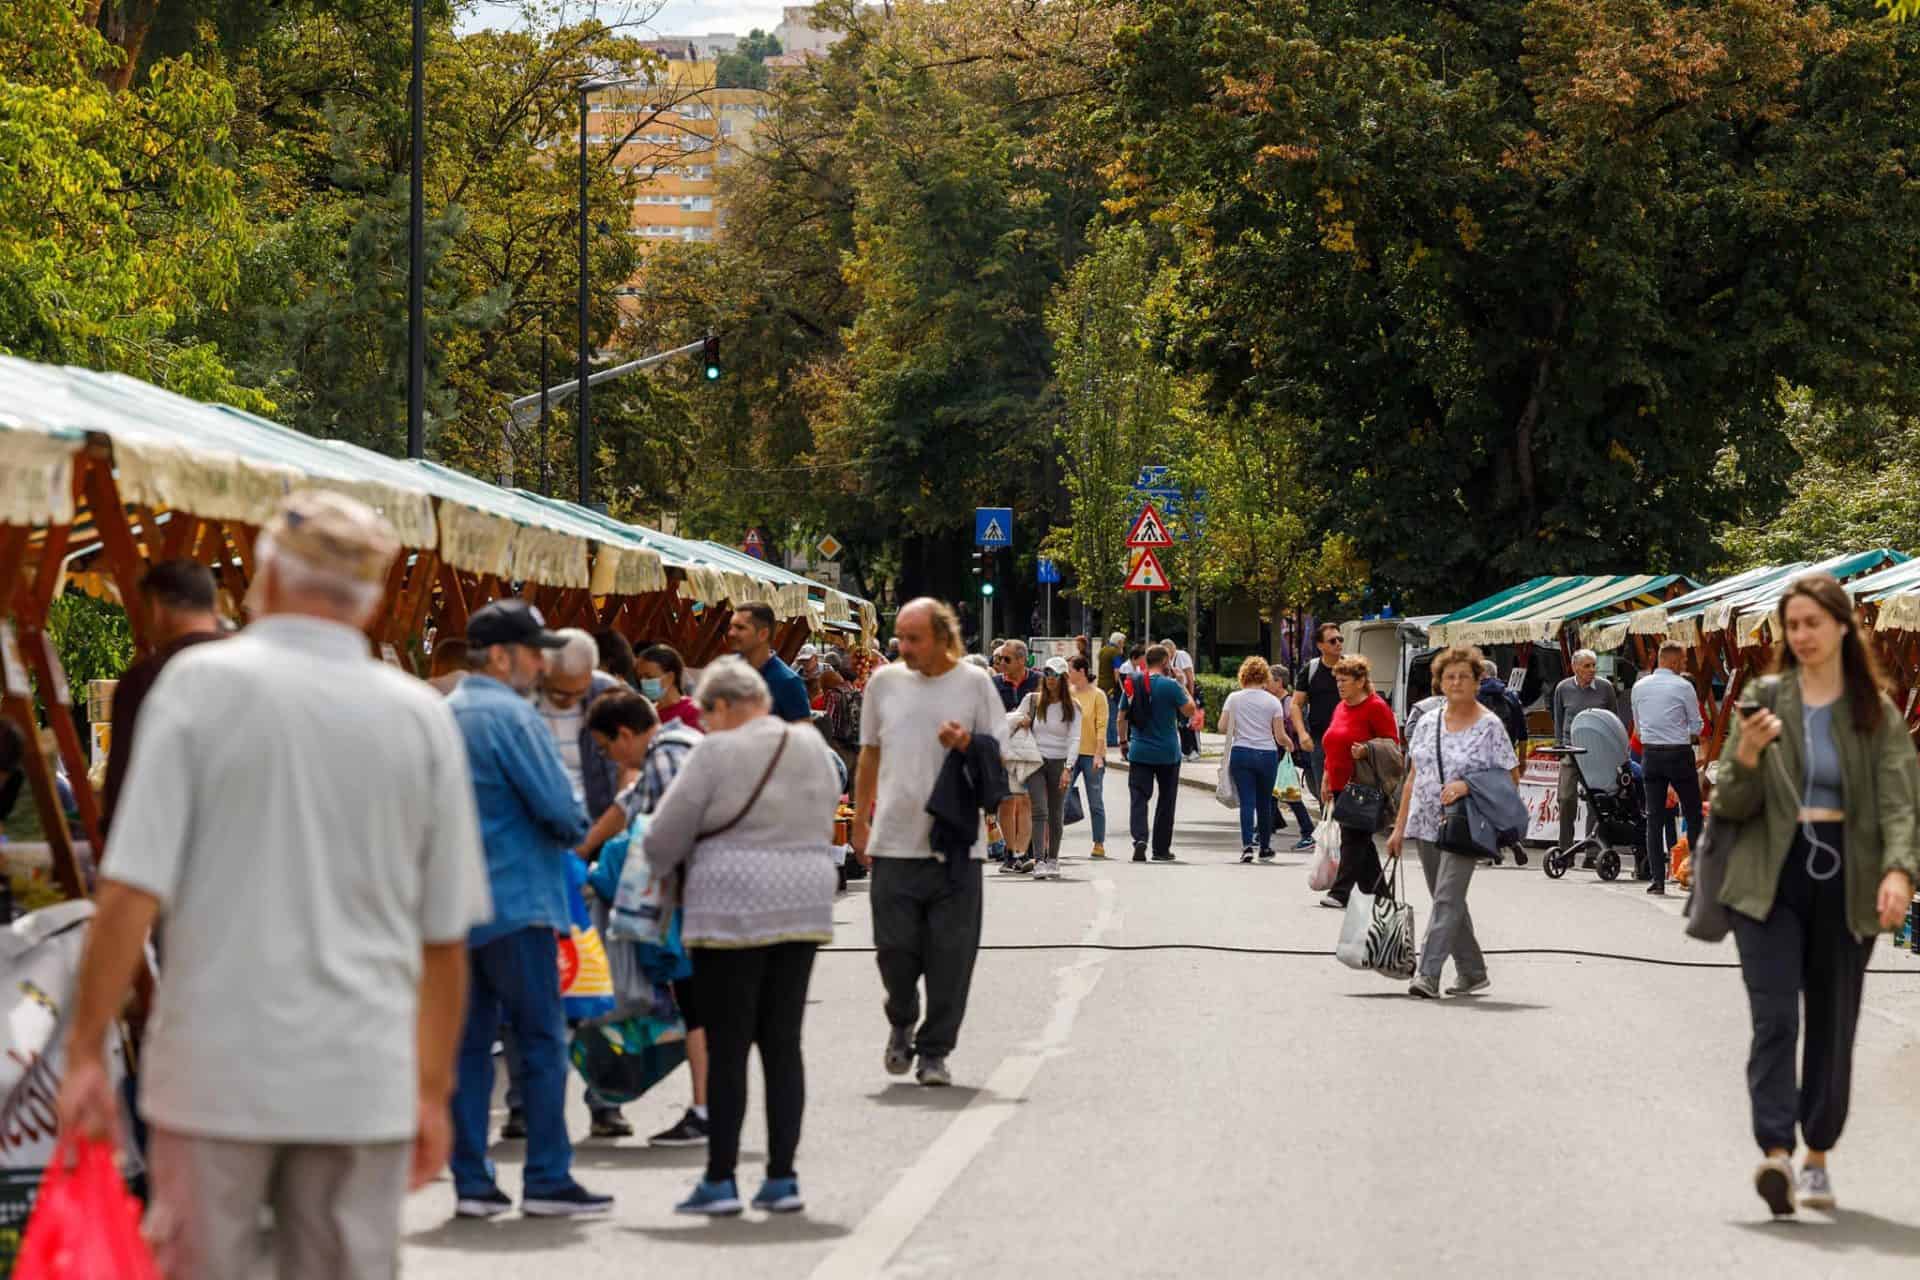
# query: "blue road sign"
1047,571
993,527
1151,477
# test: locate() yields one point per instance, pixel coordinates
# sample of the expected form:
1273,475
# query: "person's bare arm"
866,787
443,1005
116,946
1300,735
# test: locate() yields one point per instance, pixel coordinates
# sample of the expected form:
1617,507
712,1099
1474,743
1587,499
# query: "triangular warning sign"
1148,575
994,533
1149,530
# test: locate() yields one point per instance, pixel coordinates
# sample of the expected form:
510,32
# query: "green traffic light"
713,373
986,588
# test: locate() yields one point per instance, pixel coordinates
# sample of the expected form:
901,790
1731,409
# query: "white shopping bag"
1325,868
1377,931
1224,790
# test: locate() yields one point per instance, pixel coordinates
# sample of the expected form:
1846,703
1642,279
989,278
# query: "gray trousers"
926,927
1570,802
1049,807
1450,926
336,1208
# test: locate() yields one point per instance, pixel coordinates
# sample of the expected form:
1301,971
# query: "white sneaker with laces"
1815,1190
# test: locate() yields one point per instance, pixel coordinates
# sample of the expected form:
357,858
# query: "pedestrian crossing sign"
1147,574
992,527
1149,530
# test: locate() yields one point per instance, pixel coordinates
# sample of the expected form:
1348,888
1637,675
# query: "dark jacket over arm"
971,782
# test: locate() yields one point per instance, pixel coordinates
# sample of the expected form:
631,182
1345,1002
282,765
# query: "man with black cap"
530,824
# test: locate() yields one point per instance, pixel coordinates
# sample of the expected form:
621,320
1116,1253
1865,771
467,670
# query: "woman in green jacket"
1822,779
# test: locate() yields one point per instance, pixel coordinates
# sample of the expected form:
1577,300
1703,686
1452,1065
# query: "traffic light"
710,355
986,589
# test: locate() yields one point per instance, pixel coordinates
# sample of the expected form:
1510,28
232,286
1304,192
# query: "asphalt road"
1186,1112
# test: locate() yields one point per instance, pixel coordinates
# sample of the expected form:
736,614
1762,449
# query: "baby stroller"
1611,791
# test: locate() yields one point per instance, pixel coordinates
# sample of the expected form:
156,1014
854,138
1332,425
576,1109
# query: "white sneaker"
1335,903
1815,1190
1463,987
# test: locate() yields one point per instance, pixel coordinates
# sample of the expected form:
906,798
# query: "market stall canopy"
709,580
1743,600
1536,611
1896,592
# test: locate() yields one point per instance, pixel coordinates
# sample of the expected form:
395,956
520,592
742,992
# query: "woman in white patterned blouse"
1476,741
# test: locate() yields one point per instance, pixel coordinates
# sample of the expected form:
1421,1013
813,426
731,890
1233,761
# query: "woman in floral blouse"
1476,741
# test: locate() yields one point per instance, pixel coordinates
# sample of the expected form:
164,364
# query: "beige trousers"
336,1208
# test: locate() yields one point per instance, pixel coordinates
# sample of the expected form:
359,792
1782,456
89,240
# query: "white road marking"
866,1250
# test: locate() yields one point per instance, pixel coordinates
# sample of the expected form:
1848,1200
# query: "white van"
1390,644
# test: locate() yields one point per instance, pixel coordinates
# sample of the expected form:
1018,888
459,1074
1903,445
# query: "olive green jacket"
1880,779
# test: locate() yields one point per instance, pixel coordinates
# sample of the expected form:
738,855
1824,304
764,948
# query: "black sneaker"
516,1126
490,1203
690,1131
1246,854
1163,857
1139,853
1657,890
610,1124
572,1201
1266,855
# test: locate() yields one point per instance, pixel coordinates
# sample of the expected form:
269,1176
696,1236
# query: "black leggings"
1359,858
1803,950
749,996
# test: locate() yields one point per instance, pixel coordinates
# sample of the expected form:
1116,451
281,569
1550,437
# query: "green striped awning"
1536,611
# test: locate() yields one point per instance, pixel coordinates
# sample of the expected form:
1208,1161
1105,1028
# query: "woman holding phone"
1821,777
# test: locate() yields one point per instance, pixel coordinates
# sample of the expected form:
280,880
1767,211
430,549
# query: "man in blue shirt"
1159,705
530,824
751,635
1666,708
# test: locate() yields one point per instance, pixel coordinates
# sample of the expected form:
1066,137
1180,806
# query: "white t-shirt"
565,726
305,816
1253,712
1059,737
1182,660
901,714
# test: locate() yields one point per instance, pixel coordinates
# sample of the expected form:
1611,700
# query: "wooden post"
94,470
453,600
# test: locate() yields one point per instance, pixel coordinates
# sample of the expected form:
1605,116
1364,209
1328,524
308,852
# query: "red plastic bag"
85,1223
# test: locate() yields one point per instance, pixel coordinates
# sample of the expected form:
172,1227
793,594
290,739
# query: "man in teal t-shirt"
1153,756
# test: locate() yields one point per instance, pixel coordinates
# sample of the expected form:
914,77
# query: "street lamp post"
583,419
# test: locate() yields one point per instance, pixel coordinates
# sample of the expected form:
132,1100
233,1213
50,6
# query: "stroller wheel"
1555,863
1609,867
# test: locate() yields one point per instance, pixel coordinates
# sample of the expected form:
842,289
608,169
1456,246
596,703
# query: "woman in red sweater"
1362,716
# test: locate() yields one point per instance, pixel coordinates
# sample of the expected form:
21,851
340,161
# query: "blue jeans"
516,977
1253,775
1113,718
1096,795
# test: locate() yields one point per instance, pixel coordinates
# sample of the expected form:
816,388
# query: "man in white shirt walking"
303,818
926,919
1666,709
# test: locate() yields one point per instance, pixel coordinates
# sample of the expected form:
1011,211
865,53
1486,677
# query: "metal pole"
417,246
546,476
1049,608
583,414
986,626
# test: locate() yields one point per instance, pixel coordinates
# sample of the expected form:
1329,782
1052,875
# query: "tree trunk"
138,25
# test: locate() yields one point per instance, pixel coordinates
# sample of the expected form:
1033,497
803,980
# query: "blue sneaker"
712,1199
779,1195
997,851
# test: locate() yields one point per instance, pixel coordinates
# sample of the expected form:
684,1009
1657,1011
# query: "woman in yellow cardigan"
1821,776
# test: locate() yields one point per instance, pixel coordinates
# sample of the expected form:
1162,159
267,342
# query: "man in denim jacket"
530,824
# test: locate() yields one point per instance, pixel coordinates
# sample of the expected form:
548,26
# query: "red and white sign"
1149,530
1540,790
753,545
1147,575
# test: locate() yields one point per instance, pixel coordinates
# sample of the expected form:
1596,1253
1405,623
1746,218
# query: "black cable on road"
1574,952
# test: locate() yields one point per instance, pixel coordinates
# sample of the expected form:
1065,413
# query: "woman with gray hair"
750,818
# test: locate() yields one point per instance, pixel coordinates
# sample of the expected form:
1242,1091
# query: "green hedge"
1214,690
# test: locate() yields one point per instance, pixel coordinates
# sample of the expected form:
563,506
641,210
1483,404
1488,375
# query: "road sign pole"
986,626
1049,608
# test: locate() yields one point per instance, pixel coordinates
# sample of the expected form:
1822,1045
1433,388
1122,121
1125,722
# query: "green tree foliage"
745,67
1117,399
1524,272
120,214
1857,487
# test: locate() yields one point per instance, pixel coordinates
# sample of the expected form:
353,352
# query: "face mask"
653,688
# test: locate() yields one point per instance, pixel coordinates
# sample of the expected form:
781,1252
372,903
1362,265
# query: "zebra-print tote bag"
1377,931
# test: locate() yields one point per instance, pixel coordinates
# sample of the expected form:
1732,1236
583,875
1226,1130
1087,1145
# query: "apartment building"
680,134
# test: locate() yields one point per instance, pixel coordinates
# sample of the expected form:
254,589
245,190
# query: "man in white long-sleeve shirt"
1666,708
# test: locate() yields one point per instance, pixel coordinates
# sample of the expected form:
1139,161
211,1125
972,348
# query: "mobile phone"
1748,710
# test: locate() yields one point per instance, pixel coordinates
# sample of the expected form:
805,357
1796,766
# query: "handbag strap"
786,732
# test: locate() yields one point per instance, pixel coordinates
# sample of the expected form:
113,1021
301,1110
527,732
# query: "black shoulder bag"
1360,805
1456,823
